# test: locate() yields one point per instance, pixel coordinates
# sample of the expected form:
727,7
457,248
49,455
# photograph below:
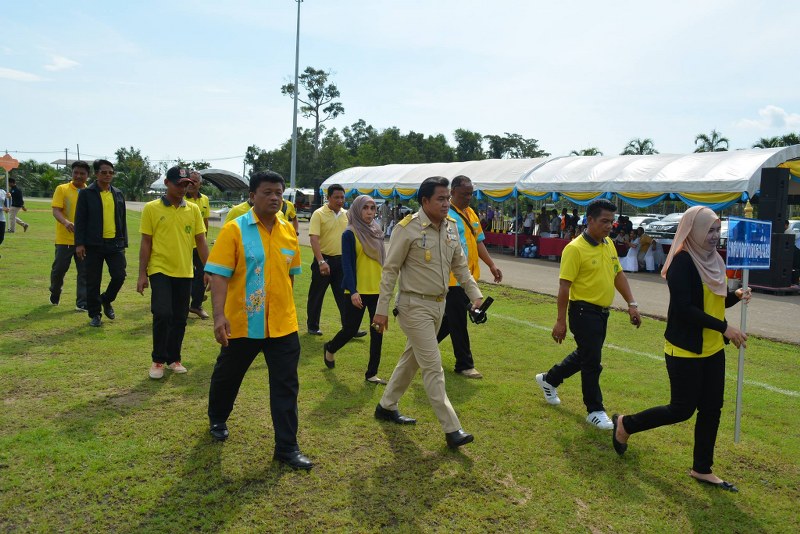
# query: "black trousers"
114,257
2,230
454,324
588,325
282,355
169,303
695,384
65,255
198,287
319,285
352,321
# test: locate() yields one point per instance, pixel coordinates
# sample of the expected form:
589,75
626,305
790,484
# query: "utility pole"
293,172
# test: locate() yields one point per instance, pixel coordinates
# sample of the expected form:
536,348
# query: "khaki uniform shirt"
422,257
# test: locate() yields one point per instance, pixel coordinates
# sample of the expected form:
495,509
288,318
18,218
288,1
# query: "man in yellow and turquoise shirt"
194,196
252,266
65,200
170,227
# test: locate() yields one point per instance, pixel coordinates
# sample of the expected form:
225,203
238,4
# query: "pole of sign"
737,426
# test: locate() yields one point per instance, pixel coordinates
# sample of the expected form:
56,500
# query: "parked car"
794,226
664,228
302,199
641,220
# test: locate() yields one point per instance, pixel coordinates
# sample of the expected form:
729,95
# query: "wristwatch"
322,261
633,305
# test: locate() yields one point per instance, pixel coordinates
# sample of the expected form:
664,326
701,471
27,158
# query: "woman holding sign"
695,339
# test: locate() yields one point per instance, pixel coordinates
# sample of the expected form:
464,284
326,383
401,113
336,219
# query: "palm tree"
790,139
769,142
711,143
639,146
592,151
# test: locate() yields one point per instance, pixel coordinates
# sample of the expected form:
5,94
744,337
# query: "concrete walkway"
768,316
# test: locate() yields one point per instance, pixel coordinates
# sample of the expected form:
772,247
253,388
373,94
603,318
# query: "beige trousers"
420,320
13,220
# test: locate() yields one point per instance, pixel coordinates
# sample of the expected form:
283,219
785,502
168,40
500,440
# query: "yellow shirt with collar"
259,266
329,226
173,230
591,269
65,197
244,207
201,202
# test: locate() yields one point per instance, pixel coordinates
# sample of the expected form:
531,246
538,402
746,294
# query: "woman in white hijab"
695,339
363,254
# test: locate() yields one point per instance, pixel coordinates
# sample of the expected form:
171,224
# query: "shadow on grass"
54,327
403,492
339,401
203,498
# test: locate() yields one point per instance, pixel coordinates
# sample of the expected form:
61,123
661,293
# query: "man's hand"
80,252
70,226
222,329
497,273
560,331
380,323
476,304
142,283
636,319
355,298
207,282
324,269
24,208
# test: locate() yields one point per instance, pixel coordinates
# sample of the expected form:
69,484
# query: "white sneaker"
550,393
156,371
176,367
600,420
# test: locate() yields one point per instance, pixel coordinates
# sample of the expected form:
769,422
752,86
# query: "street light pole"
293,173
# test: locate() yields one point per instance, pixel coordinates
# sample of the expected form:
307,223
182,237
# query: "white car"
794,227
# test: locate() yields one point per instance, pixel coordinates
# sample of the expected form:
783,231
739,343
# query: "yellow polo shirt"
65,197
173,230
259,266
329,226
470,234
591,269
202,203
109,227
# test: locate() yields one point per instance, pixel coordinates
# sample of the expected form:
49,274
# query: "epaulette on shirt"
407,219
451,219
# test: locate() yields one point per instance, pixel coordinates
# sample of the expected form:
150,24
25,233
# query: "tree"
469,145
638,146
513,146
135,174
711,143
357,134
39,179
790,139
319,102
592,151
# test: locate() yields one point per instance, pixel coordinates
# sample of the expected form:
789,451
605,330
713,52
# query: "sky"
200,80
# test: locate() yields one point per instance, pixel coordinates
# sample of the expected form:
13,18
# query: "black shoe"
96,321
54,299
726,486
458,438
618,446
361,333
219,431
294,459
108,310
393,415
315,332
328,363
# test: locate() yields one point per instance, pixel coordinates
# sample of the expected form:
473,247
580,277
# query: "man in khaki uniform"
423,250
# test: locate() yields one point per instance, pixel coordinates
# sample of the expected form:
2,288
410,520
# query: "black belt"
589,306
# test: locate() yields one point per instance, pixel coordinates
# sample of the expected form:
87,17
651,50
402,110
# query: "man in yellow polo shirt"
194,196
65,199
170,226
457,304
252,268
325,235
590,271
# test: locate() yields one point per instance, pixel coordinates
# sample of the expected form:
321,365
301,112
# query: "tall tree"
469,145
592,151
319,102
357,134
134,173
711,143
639,146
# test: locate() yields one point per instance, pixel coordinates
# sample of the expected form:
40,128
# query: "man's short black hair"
266,176
460,180
597,206
333,188
429,185
98,162
81,165
12,180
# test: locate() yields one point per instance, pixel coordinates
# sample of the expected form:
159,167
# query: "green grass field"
90,444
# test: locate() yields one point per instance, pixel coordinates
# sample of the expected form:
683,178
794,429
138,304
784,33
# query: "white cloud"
61,63
772,117
18,75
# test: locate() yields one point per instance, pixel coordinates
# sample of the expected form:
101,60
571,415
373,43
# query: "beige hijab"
691,237
369,235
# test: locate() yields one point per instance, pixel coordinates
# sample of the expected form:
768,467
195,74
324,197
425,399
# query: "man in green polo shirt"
589,273
170,227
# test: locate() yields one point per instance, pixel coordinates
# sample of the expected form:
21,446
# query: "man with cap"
194,196
65,199
170,227
101,236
